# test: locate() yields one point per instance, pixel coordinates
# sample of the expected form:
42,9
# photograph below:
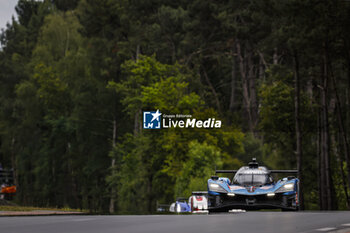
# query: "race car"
180,206
253,187
199,202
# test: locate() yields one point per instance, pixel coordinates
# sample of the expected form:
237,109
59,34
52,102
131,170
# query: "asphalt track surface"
262,222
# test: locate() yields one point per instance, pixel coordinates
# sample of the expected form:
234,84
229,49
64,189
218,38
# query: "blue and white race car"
252,187
180,206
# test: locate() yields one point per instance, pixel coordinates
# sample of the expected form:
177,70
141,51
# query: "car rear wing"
271,171
284,171
198,193
225,171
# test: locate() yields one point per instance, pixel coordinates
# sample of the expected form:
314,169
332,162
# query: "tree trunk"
252,92
342,133
150,198
113,190
233,84
245,86
325,145
217,102
67,44
275,56
342,173
136,123
14,163
330,198
298,134
137,52
321,174
262,68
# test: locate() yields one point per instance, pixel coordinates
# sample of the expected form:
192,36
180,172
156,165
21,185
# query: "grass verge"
30,208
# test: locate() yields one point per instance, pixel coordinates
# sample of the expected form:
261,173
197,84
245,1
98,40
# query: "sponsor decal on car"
266,187
235,187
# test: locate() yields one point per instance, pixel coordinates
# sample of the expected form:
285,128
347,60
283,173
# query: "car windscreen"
247,179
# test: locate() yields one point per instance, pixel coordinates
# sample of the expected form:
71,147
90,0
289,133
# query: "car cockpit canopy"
252,175
247,176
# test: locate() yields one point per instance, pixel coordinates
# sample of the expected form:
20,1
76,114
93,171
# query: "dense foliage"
75,77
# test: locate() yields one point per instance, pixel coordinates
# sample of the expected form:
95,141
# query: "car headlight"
286,188
216,188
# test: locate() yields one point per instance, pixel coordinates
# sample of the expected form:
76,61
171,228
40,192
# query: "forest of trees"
75,76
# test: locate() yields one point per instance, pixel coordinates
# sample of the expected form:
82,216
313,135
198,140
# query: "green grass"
30,208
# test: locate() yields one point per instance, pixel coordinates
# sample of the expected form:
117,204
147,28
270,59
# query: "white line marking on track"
326,229
346,224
